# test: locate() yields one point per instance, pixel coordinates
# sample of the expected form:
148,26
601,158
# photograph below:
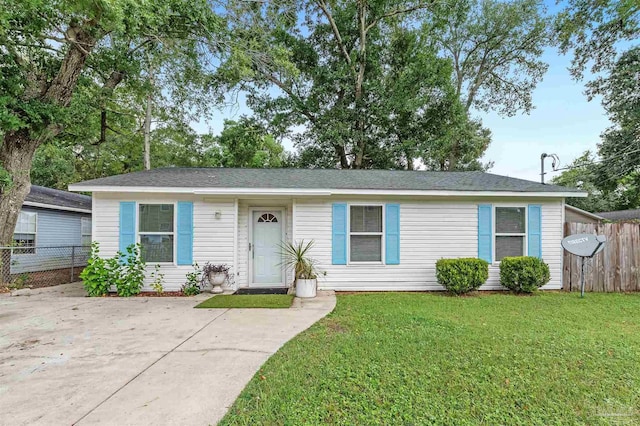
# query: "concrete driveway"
67,359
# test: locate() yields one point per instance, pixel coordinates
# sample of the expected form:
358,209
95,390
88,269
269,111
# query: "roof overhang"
320,192
55,207
584,212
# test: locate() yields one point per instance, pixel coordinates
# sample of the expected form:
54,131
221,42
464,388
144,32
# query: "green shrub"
523,274
95,277
460,276
127,275
131,272
192,286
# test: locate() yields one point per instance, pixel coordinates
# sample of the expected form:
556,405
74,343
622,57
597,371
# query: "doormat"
266,290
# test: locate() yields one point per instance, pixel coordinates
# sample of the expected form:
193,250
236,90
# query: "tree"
593,30
245,143
53,51
360,87
583,173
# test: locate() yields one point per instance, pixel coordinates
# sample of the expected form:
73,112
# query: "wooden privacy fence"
616,268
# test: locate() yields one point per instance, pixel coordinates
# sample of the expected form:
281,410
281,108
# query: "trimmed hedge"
523,274
463,275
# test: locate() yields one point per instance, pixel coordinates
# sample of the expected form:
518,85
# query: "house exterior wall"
213,239
574,216
54,229
430,229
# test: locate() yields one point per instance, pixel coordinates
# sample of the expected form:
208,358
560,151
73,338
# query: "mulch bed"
153,294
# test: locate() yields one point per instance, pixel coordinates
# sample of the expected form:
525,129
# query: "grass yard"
402,358
248,301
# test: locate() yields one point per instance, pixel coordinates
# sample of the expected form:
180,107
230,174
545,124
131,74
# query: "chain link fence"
34,267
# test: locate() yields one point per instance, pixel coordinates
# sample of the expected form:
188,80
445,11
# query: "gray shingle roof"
56,197
633,214
321,179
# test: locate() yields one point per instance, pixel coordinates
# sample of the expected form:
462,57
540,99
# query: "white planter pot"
216,280
306,288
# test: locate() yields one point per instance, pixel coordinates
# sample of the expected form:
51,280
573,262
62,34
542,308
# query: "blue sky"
563,122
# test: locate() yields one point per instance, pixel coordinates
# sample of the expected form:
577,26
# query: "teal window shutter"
339,234
185,233
392,234
127,225
485,232
534,231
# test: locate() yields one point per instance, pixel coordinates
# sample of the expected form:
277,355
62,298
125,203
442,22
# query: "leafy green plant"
523,274
296,258
96,276
131,273
192,286
157,283
462,275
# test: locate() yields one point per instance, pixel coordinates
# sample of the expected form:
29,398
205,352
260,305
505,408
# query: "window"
365,233
511,231
85,231
155,229
24,236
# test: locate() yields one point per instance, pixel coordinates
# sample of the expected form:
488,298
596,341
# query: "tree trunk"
147,135
16,156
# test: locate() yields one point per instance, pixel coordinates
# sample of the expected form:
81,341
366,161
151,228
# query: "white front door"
265,256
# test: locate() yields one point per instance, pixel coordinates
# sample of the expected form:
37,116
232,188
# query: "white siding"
212,238
429,230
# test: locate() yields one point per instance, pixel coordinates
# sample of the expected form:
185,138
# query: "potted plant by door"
216,275
296,257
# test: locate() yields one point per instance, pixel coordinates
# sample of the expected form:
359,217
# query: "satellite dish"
585,245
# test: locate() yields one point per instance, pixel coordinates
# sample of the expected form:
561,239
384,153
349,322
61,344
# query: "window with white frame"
511,232
85,231
24,236
155,231
365,233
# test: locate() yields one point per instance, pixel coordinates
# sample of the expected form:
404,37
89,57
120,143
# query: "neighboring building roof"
56,199
593,216
199,180
633,214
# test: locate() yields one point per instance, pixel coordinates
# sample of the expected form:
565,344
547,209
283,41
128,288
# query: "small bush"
95,276
192,286
523,274
131,272
460,276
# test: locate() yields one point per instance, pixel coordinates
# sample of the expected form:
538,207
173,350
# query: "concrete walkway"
66,359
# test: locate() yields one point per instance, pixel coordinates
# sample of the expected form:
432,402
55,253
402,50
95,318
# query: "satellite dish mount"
585,246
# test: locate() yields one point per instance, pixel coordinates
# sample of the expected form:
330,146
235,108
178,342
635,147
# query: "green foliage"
125,272
462,275
269,301
424,359
96,276
192,286
6,182
523,274
296,258
157,280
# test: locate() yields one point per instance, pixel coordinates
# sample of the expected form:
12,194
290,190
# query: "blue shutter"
339,234
185,233
534,230
392,234
485,232
127,225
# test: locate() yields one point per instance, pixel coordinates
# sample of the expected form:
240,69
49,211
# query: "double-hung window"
156,232
365,233
24,236
85,231
511,232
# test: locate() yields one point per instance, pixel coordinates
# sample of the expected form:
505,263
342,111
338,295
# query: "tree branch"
336,32
397,12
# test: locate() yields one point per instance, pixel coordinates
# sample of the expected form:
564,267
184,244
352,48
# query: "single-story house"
574,214
621,215
373,229
50,222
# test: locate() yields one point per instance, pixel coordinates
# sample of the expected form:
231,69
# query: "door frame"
283,228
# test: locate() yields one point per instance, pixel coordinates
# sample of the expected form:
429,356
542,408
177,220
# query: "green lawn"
403,358
248,301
